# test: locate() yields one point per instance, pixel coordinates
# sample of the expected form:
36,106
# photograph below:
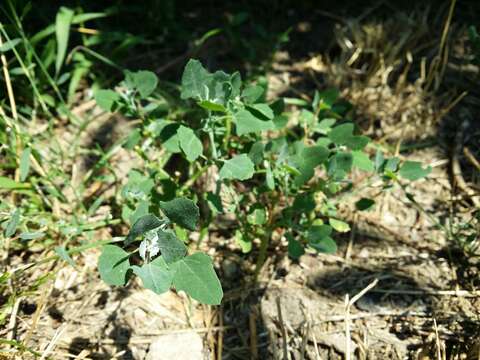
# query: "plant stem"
212,144
262,256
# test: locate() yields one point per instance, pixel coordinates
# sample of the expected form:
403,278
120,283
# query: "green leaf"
172,249
215,202
358,142
325,245
181,211
31,235
195,275
141,226
24,164
261,111
324,126
169,137
379,160
62,32
195,81
145,82
412,170
256,152
239,167
295,247
113,265
243,241
11,226
106,99
257,217
247,123
362,161
304,203
328,98
210,105
155,275
252,93
140,211
9,45
189,143
392,164
340,165
309,158
343,135
64,255
319,238
339,225
307,117
364,204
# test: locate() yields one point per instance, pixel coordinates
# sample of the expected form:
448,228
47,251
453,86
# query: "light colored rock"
182,346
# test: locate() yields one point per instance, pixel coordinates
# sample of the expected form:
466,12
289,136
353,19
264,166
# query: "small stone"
182,346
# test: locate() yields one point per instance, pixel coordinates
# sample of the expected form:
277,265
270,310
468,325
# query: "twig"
282,329
220,334
253,334
459,293
471,157
8,83
12,325
348,305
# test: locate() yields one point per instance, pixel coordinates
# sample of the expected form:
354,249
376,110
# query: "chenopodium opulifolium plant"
166,263
277,173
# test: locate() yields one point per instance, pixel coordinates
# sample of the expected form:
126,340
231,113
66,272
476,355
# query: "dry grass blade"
348,304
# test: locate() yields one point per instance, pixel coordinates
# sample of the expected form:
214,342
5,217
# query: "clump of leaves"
278,173
166,262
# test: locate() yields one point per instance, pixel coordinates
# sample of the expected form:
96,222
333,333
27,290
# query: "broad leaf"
343,135
195,80
319,238
171,248
243,241
181,211
195,275
340,165
324,126
155,275
189,143
307,160
113,265
141,226
145,82
256,152
338,225
362,161
210,105
239,167
413,170
106,99
252,93
295,247
261,111
247,123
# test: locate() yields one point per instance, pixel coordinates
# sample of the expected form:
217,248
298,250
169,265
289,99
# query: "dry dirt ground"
396,289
